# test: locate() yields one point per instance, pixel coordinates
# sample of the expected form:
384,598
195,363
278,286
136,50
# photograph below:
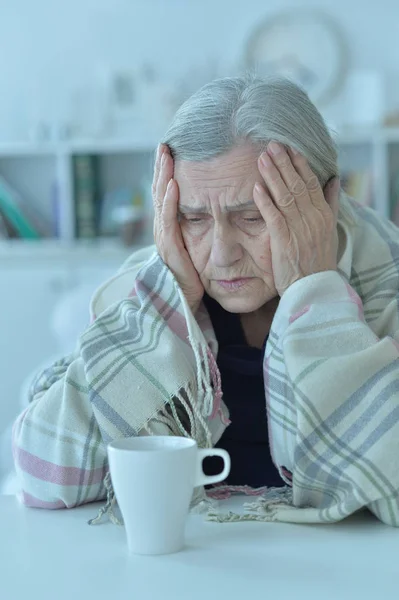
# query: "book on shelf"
118,211
13,210
358,185
395,199
85,177
7,231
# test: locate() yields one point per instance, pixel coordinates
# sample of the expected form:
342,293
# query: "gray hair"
229,111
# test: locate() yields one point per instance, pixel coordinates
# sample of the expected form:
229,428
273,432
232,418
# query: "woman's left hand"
301,219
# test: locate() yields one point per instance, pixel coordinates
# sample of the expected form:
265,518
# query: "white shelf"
24,149
58,251
91,146
366,135
110,146
124,162
372,146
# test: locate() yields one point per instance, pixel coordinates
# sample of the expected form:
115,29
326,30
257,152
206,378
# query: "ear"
331,194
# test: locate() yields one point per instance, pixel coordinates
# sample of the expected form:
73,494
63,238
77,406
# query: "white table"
55,555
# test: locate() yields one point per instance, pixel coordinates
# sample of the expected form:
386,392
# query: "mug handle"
201,478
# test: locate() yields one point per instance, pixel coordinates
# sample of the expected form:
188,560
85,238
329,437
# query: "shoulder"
371,257
375,238
137,259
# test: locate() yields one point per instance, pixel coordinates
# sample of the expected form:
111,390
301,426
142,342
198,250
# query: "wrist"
301,277
194,306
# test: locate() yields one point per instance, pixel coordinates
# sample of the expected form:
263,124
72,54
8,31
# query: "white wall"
50,48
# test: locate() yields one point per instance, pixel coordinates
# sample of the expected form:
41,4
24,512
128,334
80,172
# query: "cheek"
260,253
199,248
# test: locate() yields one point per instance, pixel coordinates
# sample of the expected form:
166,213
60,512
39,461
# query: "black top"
241,371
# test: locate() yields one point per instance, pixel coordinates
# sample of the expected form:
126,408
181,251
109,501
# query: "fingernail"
294,151
258,188
169,185
275,148
334,183
265,160
163,159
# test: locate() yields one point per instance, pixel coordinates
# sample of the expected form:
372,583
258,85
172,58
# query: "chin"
243,301
237,305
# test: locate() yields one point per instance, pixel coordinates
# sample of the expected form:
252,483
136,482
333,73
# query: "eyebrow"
183,209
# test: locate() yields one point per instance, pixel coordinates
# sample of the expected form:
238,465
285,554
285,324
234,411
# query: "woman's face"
222,228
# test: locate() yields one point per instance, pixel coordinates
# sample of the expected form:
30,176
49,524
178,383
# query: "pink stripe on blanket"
356,300
33,502
298,314
47,471
176,322
217,387
203,319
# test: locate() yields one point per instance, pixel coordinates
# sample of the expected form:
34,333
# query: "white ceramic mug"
153,479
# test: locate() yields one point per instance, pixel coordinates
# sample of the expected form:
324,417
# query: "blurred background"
89,87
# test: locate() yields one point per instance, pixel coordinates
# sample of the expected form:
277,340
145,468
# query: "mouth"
233,284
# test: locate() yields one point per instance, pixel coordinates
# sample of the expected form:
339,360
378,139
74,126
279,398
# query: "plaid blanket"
146,365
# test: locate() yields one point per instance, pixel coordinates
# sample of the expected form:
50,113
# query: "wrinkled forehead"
231,172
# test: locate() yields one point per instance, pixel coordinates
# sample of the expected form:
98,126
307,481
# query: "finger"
272,216
331,194
289,174
157,167
172,236
283,198
166,173
169,209
309,178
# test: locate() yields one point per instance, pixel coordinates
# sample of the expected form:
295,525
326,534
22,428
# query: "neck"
257,324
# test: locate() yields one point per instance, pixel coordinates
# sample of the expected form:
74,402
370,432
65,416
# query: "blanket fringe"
108,508
195,411
264,509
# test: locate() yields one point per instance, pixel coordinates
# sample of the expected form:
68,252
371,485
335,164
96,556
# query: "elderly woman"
265,321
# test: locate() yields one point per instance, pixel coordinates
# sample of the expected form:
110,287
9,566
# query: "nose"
226,251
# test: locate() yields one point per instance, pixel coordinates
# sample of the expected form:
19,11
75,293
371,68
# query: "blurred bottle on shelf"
123,214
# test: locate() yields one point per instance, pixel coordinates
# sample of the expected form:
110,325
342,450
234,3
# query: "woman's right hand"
167,232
